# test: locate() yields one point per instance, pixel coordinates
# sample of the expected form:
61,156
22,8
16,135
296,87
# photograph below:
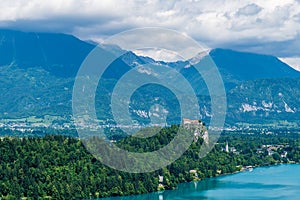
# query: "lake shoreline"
160,194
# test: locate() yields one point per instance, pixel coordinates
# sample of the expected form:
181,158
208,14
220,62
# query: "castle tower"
227,148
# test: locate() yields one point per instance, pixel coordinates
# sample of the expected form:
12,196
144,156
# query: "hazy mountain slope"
59,54
249,66
265,100
38,69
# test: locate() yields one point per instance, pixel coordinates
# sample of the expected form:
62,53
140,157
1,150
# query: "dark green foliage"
60,167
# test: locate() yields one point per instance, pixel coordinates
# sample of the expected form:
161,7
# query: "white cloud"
159,54
250,9
293,62
218,23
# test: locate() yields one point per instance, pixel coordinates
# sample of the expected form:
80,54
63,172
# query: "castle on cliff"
198,127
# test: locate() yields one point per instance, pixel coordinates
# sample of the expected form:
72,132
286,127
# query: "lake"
276,182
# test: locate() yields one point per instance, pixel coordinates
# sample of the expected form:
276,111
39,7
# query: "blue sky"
269,27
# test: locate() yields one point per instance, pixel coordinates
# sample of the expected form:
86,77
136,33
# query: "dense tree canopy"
59,167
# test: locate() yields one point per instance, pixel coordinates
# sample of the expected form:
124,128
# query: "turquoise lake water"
277,182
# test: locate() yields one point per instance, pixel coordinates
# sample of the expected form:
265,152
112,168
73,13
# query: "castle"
200,129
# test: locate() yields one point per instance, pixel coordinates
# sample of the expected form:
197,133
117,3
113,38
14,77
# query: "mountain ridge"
262,64
38,70
28,49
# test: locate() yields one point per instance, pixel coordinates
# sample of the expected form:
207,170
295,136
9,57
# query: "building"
284,154
161,179
227,147
187,122
194,173
199,129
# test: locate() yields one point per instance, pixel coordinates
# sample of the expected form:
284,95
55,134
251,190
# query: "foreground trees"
59,167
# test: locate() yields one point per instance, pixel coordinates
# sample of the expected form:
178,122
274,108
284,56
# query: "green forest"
60,167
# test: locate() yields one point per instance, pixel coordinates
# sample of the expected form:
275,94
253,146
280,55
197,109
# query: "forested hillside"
59,167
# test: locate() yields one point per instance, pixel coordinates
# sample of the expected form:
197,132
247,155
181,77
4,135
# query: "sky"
267,27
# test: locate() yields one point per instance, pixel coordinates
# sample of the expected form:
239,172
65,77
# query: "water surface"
277,182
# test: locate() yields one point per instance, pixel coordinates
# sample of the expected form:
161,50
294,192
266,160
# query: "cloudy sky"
269,27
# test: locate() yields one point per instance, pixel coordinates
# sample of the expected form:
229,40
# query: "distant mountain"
265,101
38,70
59,54
249,66
237,67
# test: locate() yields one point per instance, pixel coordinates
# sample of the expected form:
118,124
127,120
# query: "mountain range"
38,70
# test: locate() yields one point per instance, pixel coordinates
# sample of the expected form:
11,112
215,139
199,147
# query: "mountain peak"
250,66
59,53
